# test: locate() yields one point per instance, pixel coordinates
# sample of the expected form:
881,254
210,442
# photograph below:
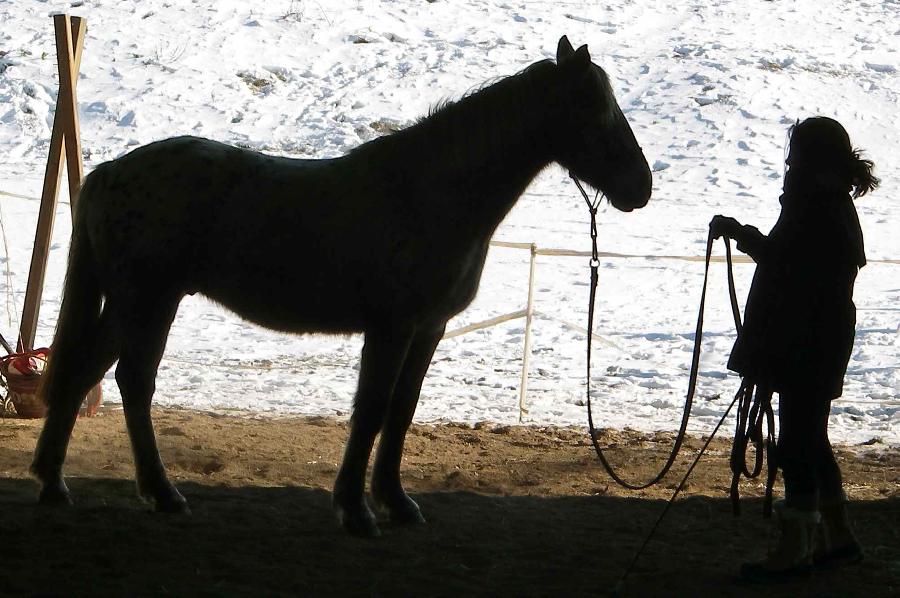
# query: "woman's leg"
828,474
799,450
837,544
797,515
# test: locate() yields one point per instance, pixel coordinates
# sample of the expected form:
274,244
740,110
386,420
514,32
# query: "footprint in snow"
128,119
580,19
881,68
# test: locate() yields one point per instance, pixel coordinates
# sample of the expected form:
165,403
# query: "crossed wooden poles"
65,149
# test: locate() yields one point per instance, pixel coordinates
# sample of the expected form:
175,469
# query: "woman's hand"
724,226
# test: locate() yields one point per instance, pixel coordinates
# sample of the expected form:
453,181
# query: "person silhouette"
798,336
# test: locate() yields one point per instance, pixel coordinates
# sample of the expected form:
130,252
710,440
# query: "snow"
709,87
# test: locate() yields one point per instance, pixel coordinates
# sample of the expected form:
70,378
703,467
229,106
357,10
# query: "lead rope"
748,411
695,360
754,411
754,408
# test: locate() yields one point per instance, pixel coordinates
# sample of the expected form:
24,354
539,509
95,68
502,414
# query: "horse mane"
462,130
496,87
481,102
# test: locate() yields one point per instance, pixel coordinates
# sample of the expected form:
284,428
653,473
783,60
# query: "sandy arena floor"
512,511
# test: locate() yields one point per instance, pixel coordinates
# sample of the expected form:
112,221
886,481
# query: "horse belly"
291,276
290,303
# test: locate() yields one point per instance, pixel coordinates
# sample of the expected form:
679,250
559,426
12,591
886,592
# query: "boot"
792,558
836,545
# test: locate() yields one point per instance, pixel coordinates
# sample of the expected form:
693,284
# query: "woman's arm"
753,243
748,238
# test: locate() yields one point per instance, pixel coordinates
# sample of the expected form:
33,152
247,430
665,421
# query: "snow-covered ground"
709,86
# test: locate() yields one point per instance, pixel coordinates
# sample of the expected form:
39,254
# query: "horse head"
594,141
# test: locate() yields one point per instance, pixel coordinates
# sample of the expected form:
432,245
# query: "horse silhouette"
388,240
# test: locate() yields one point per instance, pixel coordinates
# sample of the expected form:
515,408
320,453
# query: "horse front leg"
387,490
383,355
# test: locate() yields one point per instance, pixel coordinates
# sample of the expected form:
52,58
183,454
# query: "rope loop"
692,380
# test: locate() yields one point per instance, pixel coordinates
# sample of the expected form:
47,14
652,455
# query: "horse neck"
484,150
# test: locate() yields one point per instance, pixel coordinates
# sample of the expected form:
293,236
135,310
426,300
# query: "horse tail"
79,314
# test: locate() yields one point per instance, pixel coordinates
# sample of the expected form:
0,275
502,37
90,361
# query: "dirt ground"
512,511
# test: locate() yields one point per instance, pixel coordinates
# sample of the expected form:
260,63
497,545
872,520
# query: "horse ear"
581,59
564,50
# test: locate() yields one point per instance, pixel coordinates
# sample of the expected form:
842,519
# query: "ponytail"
861,176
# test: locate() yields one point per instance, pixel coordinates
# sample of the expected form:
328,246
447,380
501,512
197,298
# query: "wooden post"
65,148
526,351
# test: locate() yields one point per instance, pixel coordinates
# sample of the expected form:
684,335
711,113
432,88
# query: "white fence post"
526,354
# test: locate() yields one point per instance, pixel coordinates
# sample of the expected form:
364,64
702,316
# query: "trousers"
810,471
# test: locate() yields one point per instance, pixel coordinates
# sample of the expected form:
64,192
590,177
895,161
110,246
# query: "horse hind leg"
75,375
144,334
387,490
383,355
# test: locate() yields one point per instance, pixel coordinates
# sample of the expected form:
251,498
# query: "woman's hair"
862,179
822,144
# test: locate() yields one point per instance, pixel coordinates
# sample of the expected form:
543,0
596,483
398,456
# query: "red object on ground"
22,374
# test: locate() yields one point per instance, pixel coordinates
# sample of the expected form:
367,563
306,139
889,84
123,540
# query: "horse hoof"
175,508
360,522
176,505
55,495
402,511
407,516
169,500
361,528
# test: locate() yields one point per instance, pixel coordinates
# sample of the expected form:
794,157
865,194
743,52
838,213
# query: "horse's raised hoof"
359,522
55,495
